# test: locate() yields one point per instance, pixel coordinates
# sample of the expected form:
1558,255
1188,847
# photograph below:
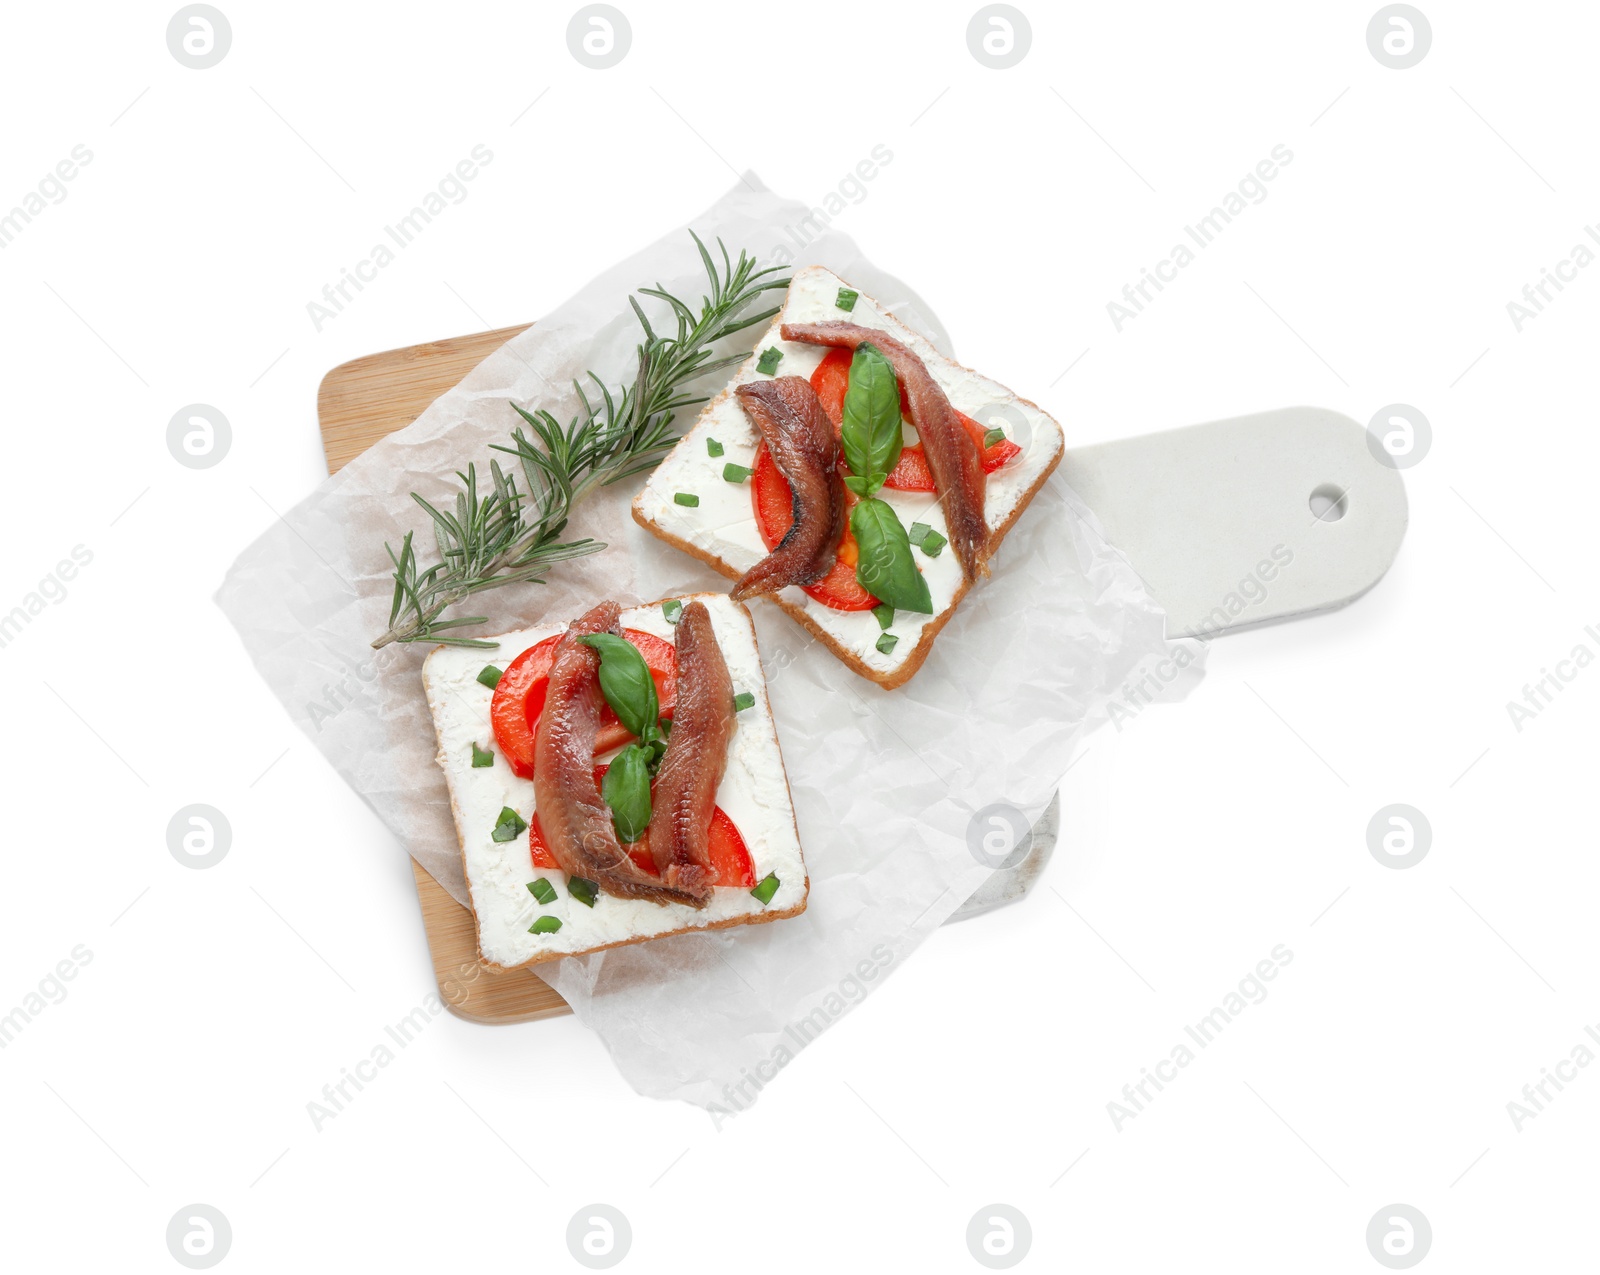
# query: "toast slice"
754,793
720,530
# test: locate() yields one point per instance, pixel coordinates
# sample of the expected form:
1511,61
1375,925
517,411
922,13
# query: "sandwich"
853,475
616,779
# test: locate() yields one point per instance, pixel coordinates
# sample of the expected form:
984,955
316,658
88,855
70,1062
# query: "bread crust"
903,673
753,918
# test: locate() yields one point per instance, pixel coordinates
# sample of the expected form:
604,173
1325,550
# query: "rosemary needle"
511,534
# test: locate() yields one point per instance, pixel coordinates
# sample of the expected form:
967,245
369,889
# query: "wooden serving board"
359,403
1194,509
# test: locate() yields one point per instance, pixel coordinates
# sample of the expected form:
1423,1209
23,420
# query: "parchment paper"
886,783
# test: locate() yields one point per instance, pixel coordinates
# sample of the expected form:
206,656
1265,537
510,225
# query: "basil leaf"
626,683
870,430
626,788
885,568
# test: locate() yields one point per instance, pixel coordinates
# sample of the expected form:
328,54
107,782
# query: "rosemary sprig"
510,535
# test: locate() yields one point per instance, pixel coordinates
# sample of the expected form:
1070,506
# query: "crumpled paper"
886,784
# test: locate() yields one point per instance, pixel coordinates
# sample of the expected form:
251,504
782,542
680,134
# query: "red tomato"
911,473
519,698
774,508
729,857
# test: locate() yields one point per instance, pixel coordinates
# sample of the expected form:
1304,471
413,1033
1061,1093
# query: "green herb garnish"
509,826
884,614
846,299
735,473
993,436
626,789
511,533
884,567
490,676
626,683
542,890
742,701
583,890
886,642
767,364
926,539
672,609
481,757
687,499
713,448
545,925
767,888
870,430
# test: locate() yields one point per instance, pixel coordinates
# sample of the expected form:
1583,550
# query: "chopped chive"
713,448
735,473
490,676
542,890
884,613
767,888
767,364
742,701
993,436
545,925
926,539
509,826
687,499
886,642
847,299
672,609
481,757
583,890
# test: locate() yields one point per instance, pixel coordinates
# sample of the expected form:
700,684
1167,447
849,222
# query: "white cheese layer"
723,525
754,793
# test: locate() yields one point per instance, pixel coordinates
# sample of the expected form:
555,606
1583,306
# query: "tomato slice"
911,473
729,856
774,508
519,697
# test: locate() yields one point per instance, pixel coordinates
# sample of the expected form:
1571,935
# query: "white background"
218,1003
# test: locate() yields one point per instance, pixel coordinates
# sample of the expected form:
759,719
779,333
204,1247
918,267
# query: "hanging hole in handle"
1329,503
